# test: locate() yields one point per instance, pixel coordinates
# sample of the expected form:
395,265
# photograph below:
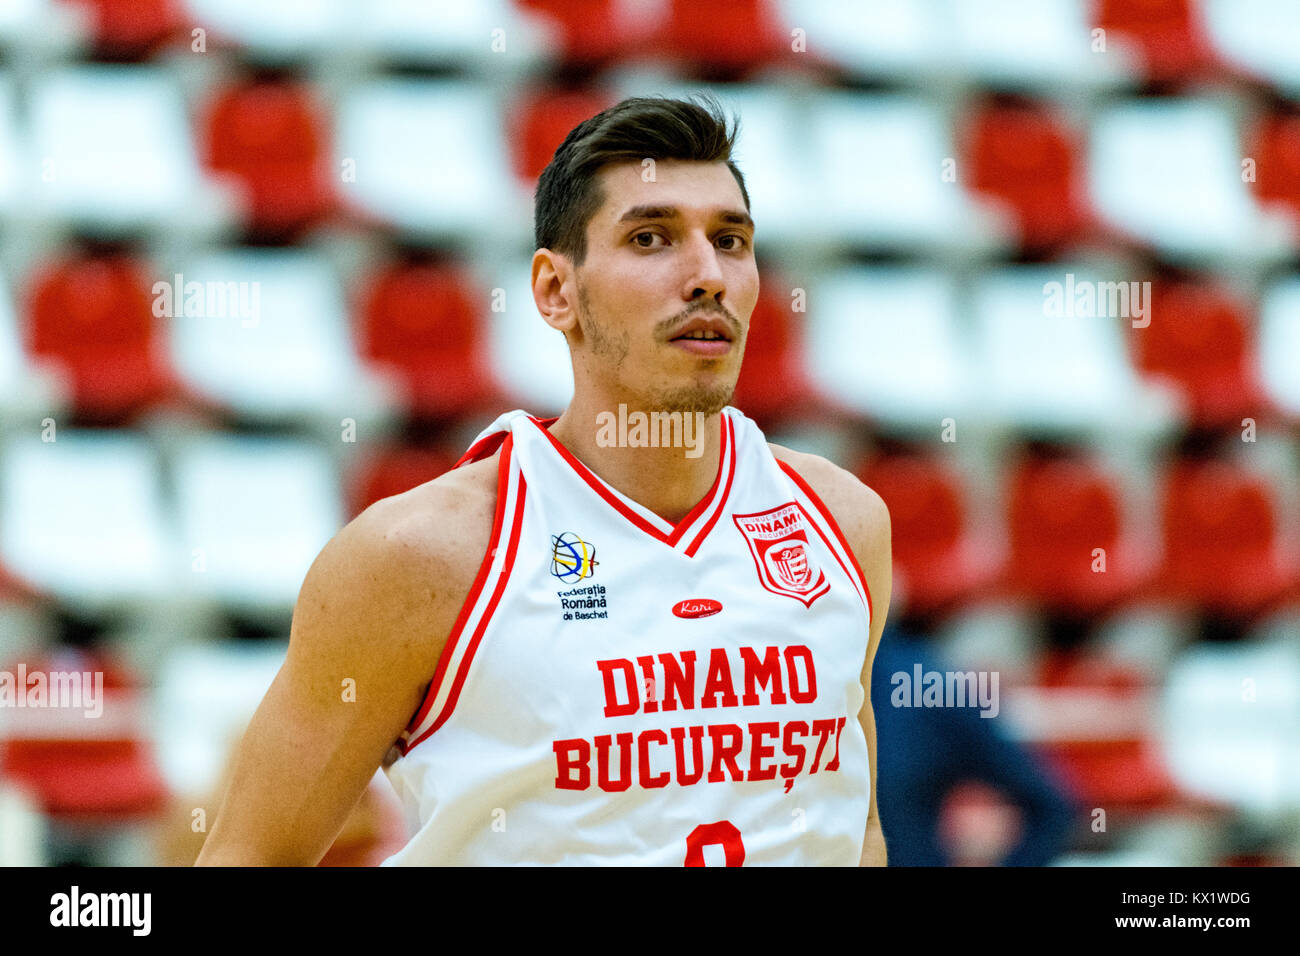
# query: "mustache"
708,307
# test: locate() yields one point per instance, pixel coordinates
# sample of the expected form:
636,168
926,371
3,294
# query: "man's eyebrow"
639,213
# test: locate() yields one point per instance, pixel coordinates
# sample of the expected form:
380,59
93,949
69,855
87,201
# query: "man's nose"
704,278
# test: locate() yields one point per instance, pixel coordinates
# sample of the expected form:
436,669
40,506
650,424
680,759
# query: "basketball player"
589,644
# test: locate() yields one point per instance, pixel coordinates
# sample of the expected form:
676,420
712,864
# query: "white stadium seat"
1047,43
1228,724
530,359
1169,173
285,352
887,343
28,392
430,158
111,149
884,38
13,152
880,162
280,30
83,518
482,35
41,27
1042,368
1258,36
1278,346
254,513
206,694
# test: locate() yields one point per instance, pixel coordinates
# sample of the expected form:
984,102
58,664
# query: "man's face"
667,288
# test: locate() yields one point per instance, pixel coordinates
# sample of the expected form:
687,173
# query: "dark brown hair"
635,129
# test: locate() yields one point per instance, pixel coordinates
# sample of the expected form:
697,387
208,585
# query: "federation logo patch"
572,559
778,541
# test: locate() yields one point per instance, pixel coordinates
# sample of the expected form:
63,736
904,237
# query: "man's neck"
669,481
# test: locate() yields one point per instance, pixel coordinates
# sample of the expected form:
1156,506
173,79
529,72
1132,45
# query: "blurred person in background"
929,754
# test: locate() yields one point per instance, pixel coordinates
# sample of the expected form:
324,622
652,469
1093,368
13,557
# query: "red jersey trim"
825,512
669,538
476,590
503,579
726,491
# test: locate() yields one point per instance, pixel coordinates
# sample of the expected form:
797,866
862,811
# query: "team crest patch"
778,540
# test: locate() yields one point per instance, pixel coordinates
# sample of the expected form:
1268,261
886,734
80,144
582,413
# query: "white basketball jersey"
621,690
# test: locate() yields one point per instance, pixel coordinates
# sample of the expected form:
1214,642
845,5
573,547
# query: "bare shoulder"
397,574
859,511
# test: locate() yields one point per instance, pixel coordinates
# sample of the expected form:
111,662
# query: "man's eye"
645,239
736,242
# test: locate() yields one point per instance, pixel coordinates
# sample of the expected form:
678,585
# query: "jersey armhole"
833,525
506,444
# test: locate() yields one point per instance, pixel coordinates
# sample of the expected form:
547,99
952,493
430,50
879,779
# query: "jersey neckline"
700,519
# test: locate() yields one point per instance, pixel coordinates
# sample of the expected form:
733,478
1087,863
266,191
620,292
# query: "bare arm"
864,519
369,626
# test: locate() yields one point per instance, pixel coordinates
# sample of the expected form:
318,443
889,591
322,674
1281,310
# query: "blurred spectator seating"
1223,550
82,768
272,138
1278,350
94,316
82,518
254,512
424,324
1060,513
1168,173
939,562
111,152
910,374
1027,158
1049,366
265,334
1200,342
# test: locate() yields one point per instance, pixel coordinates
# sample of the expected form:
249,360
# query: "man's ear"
554,289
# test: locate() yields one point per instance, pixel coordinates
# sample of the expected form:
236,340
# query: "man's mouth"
704,336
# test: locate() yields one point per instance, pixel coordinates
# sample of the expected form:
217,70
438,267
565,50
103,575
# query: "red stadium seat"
422,321
392,471
773,385
1276,151
272,138
127,29
1110,759
77,767
722,37
1169,34
936,561
592,31
1222,549
1059,512
94,315
1199,340
542,119
1022,156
